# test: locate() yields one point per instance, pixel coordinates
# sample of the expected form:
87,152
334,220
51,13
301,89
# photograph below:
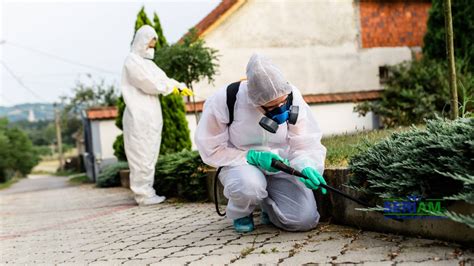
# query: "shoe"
264,219
244,224
152,201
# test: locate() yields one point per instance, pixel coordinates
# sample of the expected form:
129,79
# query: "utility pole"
448,22
59,139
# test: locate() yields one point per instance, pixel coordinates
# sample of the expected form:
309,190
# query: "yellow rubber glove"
176,91
187,92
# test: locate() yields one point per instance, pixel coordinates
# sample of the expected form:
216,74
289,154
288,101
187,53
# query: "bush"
419,90
463,26
181,174
109,176
436,162
17,154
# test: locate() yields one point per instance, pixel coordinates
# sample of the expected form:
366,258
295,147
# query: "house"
100,133
335,52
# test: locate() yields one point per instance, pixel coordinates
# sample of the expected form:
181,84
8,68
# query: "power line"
60,58
18,80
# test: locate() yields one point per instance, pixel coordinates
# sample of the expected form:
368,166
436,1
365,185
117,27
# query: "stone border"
342,211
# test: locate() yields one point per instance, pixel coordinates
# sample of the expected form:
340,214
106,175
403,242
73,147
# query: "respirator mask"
150,53
279,115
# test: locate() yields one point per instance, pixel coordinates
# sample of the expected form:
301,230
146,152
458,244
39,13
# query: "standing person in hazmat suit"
270,121
142,82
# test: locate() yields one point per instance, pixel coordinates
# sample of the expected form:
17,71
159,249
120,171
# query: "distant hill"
40,111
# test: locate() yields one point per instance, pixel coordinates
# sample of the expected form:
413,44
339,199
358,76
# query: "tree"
85,95
450,52
17,153
161,42
463,26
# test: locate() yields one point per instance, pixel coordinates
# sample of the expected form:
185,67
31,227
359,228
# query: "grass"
78,180
341,148
7,184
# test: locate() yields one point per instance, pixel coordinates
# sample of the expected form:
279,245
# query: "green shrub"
109,176
463,27
181,174
119,148
436,162
419,90
17,153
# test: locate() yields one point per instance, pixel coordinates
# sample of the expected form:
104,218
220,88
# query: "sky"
46,47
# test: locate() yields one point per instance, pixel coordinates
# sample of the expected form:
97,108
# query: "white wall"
104,133
315,43
339,118
108,134
191,118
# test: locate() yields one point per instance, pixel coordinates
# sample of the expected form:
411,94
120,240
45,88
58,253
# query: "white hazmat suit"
142,82
288,203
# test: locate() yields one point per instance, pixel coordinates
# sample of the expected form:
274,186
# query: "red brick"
393,23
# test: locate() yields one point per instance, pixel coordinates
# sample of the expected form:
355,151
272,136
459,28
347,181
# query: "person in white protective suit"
142,82
245,150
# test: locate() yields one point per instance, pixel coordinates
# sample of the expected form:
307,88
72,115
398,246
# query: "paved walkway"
44,220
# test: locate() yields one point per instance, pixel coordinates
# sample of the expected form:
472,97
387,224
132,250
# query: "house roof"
340,97
218,15
102,113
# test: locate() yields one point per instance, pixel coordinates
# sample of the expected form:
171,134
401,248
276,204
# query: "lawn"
341,148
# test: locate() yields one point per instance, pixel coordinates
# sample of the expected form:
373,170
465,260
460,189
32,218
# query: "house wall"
315,43
339,118
104,133
108,134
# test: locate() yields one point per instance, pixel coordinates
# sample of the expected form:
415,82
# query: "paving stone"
432,262
135,261
229,249
377,254
270,247
252,259
423,253
84,225
249,239
204,250
125,254
214,240
158,253
107,262
178,260
223,259
306,257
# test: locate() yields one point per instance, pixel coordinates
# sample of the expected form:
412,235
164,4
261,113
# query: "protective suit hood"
142,38
265,81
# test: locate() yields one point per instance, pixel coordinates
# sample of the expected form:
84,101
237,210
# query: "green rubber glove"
263,159
314,179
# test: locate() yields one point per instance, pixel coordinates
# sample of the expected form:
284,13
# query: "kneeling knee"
252,192
303,221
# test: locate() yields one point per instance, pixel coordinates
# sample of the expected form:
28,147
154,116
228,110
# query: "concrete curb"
342,211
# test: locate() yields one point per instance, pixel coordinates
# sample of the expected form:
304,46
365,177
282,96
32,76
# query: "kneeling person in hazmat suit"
270,121
142,82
